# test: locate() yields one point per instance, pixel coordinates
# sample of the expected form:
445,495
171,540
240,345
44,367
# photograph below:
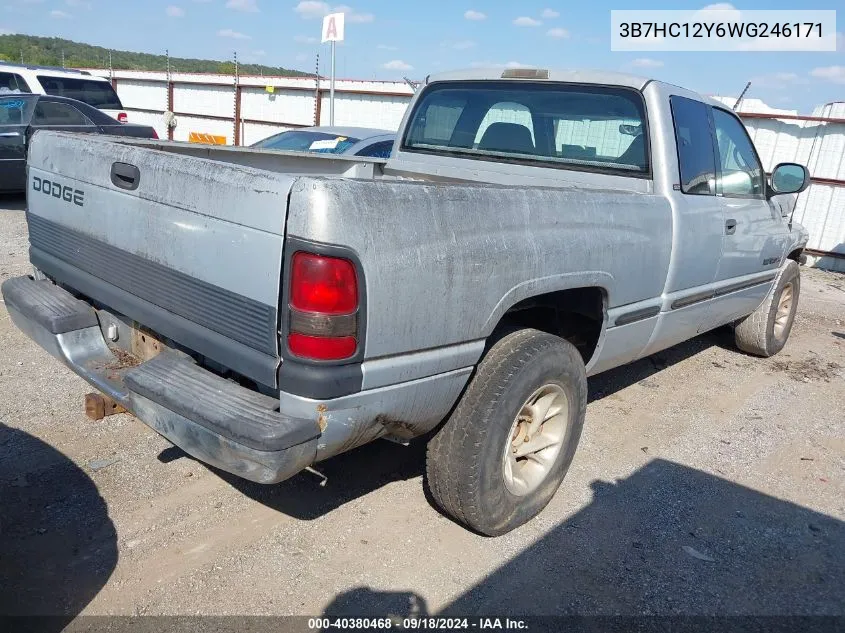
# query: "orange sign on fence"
208,139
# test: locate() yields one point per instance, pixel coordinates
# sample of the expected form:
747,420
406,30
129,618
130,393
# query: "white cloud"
247,6
526,21
834,74
397,64
235,35
311,9
719,6
59,15
6,32
304,39
497,65
175,12
558,33
475,15
385,47
550,14
352,15
645,62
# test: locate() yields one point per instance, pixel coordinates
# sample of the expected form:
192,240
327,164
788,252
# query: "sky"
390,39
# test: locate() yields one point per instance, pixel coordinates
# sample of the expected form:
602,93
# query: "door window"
741,173
696,156
60,114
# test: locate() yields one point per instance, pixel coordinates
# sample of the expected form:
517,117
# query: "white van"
62,82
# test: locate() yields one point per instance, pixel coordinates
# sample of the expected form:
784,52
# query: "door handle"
125,176
730,227
9,134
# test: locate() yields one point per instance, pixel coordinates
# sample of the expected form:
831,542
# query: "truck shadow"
369,467
668,540
58,546
12,202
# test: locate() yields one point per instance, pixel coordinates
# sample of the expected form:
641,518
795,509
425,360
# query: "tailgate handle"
125,176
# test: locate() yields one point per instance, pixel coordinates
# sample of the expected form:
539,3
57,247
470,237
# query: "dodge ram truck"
266,310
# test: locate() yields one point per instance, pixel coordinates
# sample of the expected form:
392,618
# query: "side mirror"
789,178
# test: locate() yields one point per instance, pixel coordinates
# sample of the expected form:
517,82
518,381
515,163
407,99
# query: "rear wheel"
501,456
765,331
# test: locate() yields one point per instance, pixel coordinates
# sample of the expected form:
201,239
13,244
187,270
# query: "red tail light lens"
155,134
123,117
322,347
323,307
323,284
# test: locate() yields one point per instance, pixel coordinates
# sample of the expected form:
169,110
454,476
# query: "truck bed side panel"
443,262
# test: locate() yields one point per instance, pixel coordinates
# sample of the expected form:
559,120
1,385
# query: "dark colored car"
23,114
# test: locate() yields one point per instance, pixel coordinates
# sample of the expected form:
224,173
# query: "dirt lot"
707,481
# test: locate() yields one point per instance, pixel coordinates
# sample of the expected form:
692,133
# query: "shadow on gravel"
668,540
839,335
58,546
12,202
349,476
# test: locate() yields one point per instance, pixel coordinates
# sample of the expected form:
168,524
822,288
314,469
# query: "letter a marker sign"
332,32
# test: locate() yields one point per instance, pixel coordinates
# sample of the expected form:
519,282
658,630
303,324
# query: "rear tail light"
155,134
123,117
323,307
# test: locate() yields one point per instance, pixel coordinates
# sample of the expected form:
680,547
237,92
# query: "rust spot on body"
322,419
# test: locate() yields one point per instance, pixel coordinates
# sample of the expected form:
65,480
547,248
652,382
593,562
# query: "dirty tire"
464,465
756,334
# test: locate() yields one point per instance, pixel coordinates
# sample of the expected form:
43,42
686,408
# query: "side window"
696,156
741,174
52,113
381,149
12,82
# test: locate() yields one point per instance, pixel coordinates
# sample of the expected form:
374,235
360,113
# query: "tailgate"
188,247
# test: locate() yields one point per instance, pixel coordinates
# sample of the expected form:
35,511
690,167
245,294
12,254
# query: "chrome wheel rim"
784,310
536,438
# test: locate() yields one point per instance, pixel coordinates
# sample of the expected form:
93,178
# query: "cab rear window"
98,94
568,126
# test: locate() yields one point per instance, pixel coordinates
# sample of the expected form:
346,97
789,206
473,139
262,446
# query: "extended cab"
267,310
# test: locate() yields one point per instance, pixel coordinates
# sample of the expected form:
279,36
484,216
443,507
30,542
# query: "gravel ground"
707,482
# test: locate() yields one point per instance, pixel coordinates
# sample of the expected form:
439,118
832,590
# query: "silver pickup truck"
266,310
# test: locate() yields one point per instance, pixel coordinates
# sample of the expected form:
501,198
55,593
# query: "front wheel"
765,331
501,456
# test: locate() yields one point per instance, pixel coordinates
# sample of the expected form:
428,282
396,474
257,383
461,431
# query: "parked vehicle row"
529,229
21,115
81,85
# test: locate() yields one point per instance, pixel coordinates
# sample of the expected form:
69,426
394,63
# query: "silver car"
351,141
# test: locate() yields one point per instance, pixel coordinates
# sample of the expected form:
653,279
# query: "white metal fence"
260,106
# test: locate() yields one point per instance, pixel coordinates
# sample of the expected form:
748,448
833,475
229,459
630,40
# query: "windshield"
308,141
98,94
15,110
571,126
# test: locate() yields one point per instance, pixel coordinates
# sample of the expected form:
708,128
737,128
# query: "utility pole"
111,68
21,56
63,58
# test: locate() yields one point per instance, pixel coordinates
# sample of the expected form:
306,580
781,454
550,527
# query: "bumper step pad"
222,406
51,306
